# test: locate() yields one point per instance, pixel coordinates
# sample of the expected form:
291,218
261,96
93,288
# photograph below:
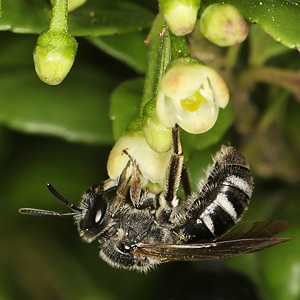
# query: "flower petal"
151,163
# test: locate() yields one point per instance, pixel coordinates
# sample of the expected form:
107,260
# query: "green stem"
59,16
232,56
164,47
274,113
157,50
286,79
179,47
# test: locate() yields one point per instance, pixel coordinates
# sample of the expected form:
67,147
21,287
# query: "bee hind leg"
175,172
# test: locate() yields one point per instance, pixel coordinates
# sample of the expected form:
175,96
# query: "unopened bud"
157,135
55,50
223,25
180,15
54,55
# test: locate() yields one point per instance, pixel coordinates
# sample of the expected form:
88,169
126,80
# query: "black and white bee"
139,229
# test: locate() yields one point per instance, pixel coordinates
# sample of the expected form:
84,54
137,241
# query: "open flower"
190,95
152,164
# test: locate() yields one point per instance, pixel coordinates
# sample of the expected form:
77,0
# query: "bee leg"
139,199
168,199
119,199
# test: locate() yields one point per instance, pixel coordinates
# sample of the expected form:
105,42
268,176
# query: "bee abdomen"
224,197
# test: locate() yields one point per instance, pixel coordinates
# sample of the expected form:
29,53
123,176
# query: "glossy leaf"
129,48
93,18
77,110
263,47
280,19
125,104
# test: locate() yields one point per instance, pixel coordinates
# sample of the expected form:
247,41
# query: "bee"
139,229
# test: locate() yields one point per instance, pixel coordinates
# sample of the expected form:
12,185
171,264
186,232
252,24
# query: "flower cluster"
187,93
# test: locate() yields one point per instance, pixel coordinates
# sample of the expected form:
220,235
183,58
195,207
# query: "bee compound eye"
98,216
99,209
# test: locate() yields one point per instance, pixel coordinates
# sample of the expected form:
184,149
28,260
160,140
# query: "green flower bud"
152,164
157,136
56,48
223,25
180,15
190,95
54,55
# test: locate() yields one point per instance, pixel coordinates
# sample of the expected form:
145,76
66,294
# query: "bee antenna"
41,212
61,198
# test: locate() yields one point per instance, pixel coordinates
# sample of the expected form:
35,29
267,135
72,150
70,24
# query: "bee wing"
244,241
259,229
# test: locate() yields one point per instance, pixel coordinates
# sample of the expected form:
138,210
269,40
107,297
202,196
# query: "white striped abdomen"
222,199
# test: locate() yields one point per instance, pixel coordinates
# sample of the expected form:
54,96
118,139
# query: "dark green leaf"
129,48
280,19
16,50
263,47
198,163
76,110
95,17
125,104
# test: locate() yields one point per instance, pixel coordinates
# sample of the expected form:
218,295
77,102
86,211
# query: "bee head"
92,218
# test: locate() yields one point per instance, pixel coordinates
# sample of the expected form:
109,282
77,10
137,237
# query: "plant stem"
287,79
157,39
59,16
179,46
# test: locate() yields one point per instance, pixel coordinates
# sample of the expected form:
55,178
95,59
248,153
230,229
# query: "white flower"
190,95
152,164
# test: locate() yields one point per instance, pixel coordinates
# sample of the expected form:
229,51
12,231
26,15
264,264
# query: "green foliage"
64,134
95,18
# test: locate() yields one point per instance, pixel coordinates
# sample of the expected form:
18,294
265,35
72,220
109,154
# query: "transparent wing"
259,229
245,238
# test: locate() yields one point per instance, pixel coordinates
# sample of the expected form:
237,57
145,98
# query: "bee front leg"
139,198
119,199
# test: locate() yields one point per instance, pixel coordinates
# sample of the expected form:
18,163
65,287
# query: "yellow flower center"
193,102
